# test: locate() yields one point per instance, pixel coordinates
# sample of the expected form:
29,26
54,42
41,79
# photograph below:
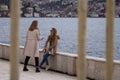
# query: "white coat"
32,43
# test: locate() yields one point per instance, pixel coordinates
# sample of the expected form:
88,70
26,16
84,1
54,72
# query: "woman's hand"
53,54
42,51
42,38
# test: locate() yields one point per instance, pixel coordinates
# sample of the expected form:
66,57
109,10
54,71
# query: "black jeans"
27,60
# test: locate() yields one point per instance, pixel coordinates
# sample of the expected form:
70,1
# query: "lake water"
67,30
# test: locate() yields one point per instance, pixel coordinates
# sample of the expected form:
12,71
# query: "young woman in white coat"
32,45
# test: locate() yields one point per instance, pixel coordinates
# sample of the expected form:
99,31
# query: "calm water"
67,29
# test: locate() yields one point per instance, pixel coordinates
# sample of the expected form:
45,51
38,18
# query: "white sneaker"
47,67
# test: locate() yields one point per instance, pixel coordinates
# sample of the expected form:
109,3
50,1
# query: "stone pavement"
31,74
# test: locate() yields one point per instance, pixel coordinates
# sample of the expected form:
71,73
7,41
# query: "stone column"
81,61
14,35
109,39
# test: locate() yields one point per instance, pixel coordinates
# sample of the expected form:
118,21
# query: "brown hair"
33,25
52,37
54,31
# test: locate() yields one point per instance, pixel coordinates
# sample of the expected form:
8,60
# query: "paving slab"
31,74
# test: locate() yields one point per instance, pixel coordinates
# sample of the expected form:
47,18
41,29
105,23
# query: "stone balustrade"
66,63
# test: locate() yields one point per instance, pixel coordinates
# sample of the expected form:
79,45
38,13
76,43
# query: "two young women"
32,45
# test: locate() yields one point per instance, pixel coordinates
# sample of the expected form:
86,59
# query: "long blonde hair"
34,25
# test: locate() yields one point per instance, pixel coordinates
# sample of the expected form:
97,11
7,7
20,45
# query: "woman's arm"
46,43
38,36
27,35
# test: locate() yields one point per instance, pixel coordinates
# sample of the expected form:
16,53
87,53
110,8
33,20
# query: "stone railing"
66,63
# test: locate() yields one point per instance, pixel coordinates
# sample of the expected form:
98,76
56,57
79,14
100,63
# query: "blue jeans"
45,59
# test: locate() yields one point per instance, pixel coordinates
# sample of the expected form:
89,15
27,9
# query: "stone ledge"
66,63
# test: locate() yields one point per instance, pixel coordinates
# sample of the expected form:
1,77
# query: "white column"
14,35
82,11
109,39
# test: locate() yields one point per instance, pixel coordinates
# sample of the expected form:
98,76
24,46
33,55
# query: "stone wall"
66,63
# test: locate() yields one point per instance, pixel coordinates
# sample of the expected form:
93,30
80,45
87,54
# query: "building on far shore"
4,11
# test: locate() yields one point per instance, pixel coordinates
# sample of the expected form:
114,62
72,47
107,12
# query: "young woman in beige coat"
50,47
32,45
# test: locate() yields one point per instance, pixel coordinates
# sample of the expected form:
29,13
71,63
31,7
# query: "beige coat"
32,43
